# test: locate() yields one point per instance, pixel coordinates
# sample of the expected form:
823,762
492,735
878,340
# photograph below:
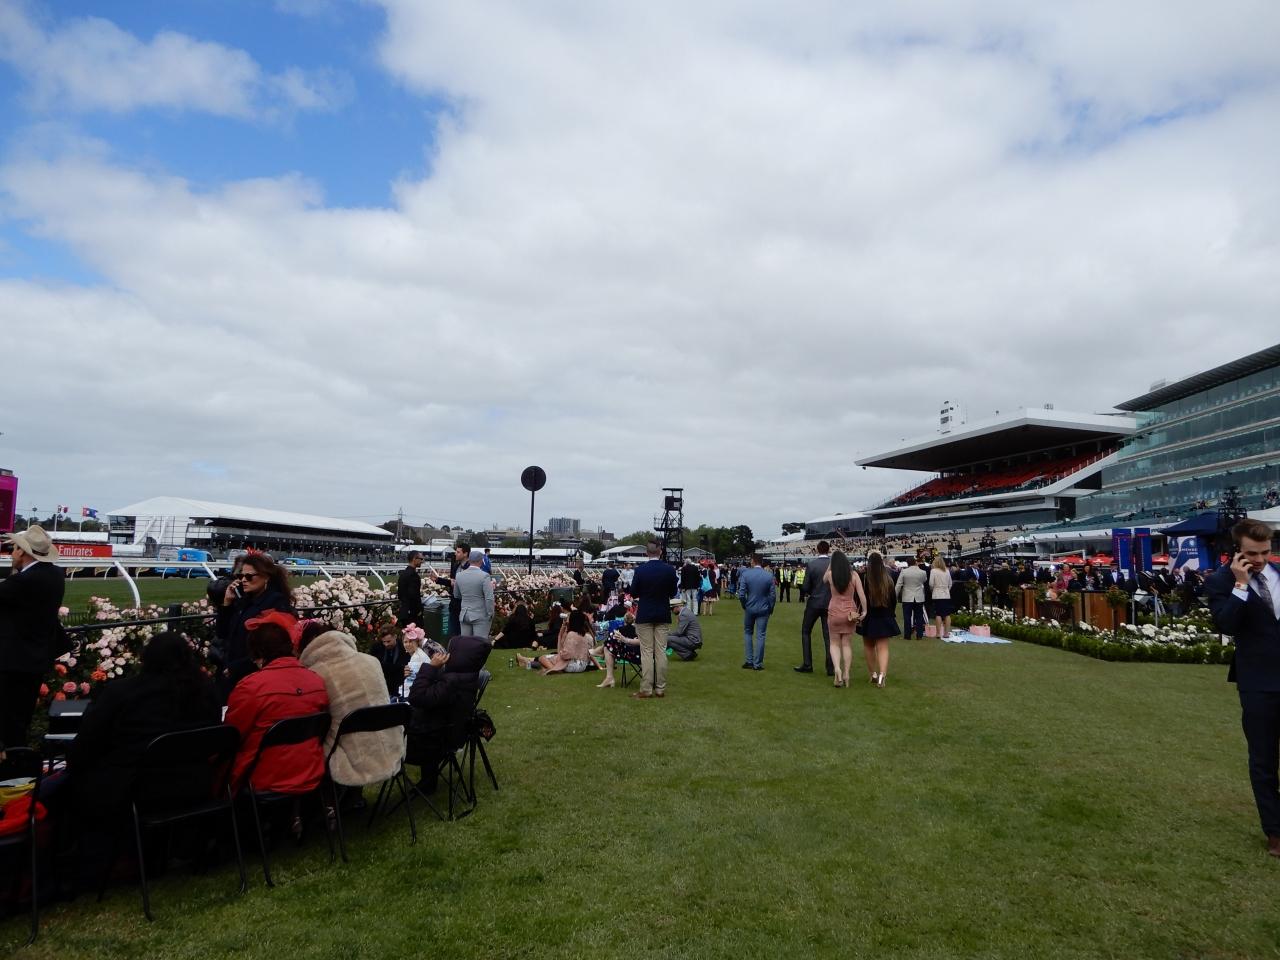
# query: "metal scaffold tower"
670,526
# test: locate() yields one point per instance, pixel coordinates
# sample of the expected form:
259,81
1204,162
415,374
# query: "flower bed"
107,651
1177,640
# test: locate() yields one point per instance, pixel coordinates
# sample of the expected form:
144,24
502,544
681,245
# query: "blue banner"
1121,555
1142,548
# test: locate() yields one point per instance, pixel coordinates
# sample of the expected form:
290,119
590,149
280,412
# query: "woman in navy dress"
880,623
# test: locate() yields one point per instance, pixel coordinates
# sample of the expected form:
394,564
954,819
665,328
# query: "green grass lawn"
991,801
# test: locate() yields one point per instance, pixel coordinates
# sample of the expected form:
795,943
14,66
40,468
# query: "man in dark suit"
818,595
29,630
460,561
1244,599
409,591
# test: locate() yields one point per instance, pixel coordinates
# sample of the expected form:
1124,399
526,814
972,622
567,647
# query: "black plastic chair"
25,763
215,746
475,742
372,720
284,733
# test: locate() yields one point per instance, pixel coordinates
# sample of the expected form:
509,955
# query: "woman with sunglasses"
258,584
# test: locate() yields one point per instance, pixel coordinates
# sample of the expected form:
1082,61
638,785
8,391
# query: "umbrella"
1074,559
1100,558
1160,558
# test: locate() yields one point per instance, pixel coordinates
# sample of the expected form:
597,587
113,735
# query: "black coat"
126,715
443,699
392,660
230,623
29,624
409,593
1254,627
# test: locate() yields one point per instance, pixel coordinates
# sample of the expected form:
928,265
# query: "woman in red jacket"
281,688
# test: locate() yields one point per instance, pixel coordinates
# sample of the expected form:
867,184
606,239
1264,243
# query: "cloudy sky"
343,256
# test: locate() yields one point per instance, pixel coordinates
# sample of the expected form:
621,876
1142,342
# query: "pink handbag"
931,630
980,630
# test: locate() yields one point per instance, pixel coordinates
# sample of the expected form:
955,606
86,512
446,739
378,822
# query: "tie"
1260,584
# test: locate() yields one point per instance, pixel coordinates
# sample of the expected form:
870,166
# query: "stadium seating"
1025,477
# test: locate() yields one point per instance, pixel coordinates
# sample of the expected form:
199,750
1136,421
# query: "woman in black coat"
170,693
443,698
519,632
258,584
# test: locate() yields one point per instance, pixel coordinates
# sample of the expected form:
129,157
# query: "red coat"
283,688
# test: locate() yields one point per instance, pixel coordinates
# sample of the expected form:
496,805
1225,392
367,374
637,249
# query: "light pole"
532,479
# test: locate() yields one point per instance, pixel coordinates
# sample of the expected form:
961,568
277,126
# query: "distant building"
564,526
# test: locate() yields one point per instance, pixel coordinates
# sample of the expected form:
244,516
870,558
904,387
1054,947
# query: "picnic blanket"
964,636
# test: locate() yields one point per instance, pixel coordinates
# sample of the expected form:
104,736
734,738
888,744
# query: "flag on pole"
62,509
89,512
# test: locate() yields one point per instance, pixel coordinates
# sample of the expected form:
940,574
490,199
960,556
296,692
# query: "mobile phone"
432,647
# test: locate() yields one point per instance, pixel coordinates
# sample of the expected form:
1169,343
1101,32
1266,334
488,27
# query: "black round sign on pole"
532,479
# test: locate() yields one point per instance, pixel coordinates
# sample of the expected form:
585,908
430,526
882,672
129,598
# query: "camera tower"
671,525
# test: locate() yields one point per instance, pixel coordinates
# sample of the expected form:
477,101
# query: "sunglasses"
246,576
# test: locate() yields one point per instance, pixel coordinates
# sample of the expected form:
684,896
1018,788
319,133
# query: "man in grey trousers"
815,609
474,589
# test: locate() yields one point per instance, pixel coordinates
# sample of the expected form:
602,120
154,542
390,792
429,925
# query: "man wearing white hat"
29,629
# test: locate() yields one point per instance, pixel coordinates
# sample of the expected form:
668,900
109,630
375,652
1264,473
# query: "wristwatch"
1242,586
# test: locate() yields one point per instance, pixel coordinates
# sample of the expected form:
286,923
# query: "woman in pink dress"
846,607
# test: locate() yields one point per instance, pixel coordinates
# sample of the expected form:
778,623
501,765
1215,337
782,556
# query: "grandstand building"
223,528
1195,439
1020,470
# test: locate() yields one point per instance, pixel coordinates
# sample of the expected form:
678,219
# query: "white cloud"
710,245
90,64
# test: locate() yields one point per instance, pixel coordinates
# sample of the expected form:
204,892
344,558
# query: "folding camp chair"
475,741
371,720
24,764
289,732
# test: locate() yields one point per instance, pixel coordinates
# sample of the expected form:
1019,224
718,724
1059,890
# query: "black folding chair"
475,741
284,733
213,746
64,723
371,720
23,763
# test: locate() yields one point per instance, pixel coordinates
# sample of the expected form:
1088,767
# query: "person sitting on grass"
573,652
621,644
550,637
519,631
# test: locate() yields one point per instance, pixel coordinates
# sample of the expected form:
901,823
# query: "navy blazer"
29,602
1253,625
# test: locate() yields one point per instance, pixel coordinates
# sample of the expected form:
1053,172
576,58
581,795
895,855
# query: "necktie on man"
1264,591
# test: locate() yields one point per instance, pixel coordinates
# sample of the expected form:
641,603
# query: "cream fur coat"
354,680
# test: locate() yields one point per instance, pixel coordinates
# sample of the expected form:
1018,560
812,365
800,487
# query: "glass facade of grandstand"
1190,450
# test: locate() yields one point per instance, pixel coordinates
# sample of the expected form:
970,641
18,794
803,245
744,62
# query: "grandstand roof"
852,515
208,510
1253,363
1024,431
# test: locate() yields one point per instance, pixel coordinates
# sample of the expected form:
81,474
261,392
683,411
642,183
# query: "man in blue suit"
756,591
1245,601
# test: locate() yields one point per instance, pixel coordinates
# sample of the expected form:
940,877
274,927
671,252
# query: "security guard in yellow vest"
800,582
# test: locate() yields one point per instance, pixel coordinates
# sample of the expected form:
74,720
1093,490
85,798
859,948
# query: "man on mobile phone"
1245,601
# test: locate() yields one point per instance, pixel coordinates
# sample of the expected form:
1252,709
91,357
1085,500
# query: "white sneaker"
875,679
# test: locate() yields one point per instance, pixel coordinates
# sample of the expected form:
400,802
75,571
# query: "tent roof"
1201,523
209,510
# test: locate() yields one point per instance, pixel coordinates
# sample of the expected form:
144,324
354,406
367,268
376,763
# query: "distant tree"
593,547
744,541
640,537
790,528
515,542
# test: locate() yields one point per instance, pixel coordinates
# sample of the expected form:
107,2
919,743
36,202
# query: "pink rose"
69,687
84,689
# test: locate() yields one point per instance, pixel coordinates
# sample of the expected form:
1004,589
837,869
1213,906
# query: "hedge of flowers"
107,652
1176,640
